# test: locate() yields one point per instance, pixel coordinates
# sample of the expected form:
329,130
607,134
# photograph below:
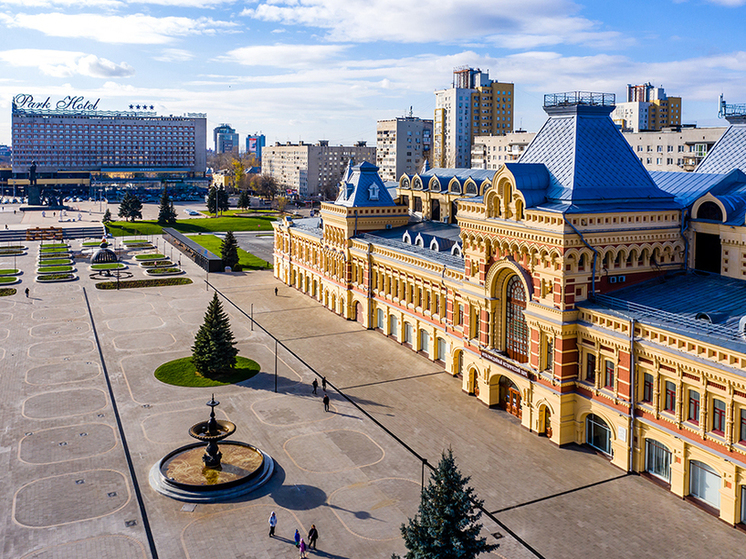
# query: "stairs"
22,235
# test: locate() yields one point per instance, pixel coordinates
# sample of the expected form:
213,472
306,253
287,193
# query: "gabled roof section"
362,187
532,180
689,187
728,153
589,161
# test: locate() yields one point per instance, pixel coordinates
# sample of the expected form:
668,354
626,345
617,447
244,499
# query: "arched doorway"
704,483
516,329
358,312
472,388
393,327
545,422
597,434
510,397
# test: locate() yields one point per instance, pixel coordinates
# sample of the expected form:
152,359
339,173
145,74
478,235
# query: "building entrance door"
513,404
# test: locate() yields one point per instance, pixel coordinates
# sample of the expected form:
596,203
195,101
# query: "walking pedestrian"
272,524
315,385
296,537
302,547
27,293
326,402
313,535
323,384
275,292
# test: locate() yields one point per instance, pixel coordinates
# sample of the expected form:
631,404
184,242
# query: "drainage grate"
112,494
130,523
497,535
79,481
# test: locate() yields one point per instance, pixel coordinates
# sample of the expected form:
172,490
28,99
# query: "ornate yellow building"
564,294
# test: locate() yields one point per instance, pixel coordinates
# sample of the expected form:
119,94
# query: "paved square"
69,492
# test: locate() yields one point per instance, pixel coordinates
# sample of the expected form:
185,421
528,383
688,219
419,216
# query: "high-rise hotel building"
76,136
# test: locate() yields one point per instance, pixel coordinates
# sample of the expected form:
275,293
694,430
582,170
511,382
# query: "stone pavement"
68,489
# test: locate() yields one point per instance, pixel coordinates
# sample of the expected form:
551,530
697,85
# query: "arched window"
516,330
597,433
711,211
658,460
704,483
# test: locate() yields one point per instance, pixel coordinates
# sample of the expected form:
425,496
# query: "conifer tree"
447,525
213,351
166,212
222,200
107,216
229,250
244,200
130,207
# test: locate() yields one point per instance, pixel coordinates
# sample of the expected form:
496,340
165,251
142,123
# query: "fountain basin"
182,475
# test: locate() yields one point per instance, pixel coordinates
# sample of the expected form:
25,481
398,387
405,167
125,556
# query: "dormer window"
373,192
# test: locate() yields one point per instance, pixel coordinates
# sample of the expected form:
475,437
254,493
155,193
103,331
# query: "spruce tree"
166,212
244,201
229,250
447,525
107,216
222,200
213,351
130,207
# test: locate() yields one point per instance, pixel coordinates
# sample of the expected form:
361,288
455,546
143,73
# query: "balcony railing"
579,98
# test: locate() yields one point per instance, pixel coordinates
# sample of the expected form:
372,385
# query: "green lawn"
246,261
154,256
181,372
10,279
8,272
55,262
48,269
204,225
158,282
108,266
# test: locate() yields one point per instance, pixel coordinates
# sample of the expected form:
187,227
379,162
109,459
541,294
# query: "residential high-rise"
473,106
490,152
403,144
225,138
647,108
312,169
254,144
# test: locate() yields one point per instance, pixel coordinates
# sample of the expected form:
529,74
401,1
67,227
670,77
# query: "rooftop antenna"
721,107
410,111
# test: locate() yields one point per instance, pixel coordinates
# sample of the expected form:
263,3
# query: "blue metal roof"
728,153
362,187
589,161
675,302
686,187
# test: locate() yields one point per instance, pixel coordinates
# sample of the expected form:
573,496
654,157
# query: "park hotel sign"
69,103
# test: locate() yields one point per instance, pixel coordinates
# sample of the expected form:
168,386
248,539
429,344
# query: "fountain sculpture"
200,473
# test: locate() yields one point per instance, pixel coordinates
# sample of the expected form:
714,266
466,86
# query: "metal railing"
579,98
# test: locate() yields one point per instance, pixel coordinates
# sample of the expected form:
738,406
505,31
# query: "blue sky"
328,69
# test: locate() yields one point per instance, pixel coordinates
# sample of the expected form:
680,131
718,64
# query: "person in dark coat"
313,535
296,537
323,384
315,385
326,402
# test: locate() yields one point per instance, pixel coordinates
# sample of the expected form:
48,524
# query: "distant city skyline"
330,69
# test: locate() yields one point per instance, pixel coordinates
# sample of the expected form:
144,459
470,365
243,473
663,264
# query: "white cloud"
112,3
62,64
729,3
132,29
534,22
283,55
174,55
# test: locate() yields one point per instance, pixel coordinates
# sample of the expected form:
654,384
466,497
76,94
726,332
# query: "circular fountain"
211,473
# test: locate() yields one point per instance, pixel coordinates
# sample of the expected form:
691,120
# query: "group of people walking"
300,543
325,399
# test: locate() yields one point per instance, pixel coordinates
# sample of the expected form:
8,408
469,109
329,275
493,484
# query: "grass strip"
181,372
155,256
204,225
49,269
246,260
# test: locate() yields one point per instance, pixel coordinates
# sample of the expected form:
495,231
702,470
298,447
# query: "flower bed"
164,272
154,256
7,291
156,264
11,252
129,284
52,278
9,280
54,269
